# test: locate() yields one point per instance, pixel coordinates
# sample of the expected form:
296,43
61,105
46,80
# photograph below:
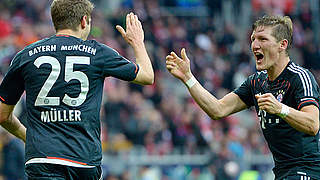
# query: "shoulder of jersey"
93,42
107,48
297,70
27,48
30,46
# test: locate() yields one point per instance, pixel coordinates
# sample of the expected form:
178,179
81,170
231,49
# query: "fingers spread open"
169,58
136,20
121,30
139,23
170,67
128,23
132,19
184,54
170,63
175,56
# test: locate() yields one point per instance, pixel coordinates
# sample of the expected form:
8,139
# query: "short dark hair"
281,27
67,14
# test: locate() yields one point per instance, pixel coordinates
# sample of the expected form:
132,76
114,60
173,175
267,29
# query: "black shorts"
44,171
298,177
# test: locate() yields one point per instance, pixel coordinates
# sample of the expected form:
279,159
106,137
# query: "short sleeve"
307,90
118,66
12,85
245,93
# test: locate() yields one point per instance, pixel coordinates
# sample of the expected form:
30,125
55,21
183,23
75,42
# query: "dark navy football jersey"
63,79
293,151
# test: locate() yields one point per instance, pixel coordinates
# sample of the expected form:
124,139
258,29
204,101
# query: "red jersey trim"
77,162
308,101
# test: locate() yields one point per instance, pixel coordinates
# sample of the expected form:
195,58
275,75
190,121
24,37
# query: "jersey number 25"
70,74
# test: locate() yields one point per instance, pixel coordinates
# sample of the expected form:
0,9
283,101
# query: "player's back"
63,77
63,89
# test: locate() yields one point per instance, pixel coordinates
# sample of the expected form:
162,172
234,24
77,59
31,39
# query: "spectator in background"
12,157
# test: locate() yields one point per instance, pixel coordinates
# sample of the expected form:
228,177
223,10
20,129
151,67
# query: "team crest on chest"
280,95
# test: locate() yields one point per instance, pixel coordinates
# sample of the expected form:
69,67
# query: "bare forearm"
206,101
215,108
303,121
143,60
14,126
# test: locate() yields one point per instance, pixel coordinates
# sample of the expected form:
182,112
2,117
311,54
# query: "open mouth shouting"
259,57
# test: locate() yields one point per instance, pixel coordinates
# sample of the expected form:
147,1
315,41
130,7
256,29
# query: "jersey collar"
282,74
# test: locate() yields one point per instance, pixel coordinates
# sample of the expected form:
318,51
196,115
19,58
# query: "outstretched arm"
216,109
134,36
10,122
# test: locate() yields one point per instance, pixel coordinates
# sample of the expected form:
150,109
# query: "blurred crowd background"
158,132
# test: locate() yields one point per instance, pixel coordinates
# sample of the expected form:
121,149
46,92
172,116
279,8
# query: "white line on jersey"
304,77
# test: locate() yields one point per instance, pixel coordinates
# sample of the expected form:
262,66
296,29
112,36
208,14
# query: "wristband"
284,111
192,81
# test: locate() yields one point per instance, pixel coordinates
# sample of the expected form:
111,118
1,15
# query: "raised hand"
134,34
179,67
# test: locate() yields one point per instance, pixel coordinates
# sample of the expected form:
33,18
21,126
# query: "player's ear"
283,44
83,21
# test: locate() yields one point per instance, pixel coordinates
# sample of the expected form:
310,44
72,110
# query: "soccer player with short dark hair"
63,78
285,96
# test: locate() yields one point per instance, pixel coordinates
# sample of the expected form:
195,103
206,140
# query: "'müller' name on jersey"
55,115
81,47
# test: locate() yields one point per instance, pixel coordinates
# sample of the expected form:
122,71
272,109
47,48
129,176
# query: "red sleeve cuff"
308,102
2,99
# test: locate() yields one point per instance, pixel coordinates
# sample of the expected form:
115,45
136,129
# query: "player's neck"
277,68
69,32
